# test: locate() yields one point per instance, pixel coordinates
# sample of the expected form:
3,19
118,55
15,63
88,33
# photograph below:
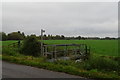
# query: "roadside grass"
93,68
101,63
98,66
59,67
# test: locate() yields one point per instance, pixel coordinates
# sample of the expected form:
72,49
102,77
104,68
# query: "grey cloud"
70,19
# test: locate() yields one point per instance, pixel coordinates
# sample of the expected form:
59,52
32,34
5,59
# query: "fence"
59,50
16,44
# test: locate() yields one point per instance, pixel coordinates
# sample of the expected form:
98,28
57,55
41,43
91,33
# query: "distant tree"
119,38
45,37
67,38
49,37
15,36
23,34
33,35
62,37
79,37
93,38
52,37
57,37
3,36
19,32
108,38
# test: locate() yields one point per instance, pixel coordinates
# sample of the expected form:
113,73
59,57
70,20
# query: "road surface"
11,70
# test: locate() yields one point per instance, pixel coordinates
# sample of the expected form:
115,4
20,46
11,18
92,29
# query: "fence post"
86,49
79,50
66,50
19,44
55,52
46,51
42,49
42,31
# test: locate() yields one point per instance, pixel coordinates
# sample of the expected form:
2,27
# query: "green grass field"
5,43
100,47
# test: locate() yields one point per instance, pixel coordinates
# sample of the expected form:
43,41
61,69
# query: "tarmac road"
11,70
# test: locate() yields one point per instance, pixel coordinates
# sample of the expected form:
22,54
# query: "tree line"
20,36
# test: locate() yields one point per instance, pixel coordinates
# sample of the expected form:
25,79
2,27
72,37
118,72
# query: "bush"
10,51
3,36
31,46
101,63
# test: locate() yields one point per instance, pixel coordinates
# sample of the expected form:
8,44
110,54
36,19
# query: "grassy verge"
41,63
96,67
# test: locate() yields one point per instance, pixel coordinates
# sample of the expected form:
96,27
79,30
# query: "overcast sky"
69,19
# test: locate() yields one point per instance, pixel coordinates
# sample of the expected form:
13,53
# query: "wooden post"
89,49
46,51
19,44
79,50
41,42
43,50
66,50
42,31
74,50
55,52
86,49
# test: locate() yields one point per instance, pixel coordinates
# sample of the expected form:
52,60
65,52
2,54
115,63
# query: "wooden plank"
65,45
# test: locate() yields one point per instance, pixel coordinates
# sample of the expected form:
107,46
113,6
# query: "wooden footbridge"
60,50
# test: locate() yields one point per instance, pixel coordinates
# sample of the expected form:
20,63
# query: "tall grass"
59,67
101,63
